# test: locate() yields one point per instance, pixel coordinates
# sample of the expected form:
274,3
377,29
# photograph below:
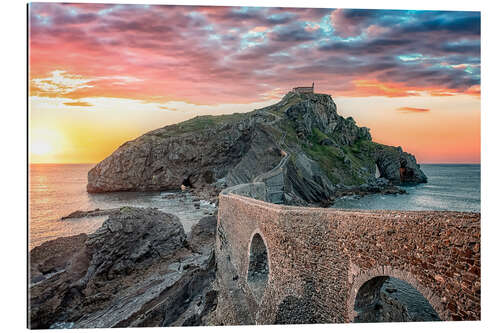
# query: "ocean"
56,190
455,187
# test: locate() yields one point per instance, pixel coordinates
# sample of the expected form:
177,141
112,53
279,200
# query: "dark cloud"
295,33
468,25
468,47
75,19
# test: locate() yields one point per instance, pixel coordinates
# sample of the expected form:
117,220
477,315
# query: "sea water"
455,187
56,190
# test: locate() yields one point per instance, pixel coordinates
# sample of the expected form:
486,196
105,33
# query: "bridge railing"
256,190
268,186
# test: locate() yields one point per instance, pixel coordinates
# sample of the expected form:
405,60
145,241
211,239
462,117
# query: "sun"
45,142
41,148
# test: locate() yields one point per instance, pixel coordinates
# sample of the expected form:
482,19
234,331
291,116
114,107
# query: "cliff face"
194,153
327,153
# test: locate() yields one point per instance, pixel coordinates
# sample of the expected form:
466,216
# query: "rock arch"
258,265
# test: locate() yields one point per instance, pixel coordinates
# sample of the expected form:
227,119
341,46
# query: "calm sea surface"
449,187
57,190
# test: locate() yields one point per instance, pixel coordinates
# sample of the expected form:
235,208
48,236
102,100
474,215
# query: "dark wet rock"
62,326
90,213
130,240
61,255
203,233
385,309
137,269
393,190
398,166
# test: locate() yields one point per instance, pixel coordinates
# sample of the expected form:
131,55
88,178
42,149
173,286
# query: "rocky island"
327,155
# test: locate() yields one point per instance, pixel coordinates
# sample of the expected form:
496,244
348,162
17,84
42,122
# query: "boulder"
137,269
202,234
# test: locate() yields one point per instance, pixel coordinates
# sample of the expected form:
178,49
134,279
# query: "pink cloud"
375,30
204,54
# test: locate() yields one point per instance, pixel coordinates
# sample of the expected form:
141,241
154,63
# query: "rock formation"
327,153
138,269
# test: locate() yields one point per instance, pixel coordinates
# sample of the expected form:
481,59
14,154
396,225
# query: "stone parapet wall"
319,258
255,190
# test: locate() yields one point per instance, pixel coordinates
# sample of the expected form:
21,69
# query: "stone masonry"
318,259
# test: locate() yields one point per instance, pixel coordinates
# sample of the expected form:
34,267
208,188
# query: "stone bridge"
284,264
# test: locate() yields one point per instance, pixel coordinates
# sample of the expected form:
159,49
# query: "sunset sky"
104,74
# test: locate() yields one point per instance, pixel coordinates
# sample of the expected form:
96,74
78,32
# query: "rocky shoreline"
138,269
210,195
378,186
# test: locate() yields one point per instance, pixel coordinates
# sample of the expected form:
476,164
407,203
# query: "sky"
101,74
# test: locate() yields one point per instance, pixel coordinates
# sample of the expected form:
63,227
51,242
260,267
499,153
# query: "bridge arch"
258,268
365,290
437,253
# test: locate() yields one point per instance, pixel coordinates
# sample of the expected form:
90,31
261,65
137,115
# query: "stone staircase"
274,179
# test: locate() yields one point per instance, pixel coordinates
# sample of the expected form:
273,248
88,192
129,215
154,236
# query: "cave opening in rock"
187,182
258,266
387,299
377,171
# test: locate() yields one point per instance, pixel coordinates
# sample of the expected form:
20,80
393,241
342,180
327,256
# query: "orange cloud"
374,87
407,109
77,103
168,108
474,90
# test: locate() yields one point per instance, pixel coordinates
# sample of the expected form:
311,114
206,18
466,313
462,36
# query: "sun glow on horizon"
65,132
45,143
41,148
